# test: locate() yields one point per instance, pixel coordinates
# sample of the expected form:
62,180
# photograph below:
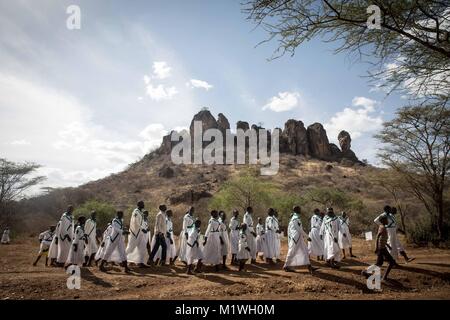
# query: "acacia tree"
411,50
14,181
416,146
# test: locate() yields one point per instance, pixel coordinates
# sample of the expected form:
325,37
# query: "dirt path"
428,277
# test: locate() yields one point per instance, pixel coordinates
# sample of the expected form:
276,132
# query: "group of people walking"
328,240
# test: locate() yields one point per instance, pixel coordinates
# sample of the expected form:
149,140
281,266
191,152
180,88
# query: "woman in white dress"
212,249
244,252
271,237
53,249
315,246
260,239
188,224
194,251
330,233
234,236
225,244
345,238
101,250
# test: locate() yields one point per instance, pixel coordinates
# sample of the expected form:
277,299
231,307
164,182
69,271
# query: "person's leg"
91,258
351,253
343,254
37,259
405,256
198,268
189,269
163,250
241,264
46,261
154,250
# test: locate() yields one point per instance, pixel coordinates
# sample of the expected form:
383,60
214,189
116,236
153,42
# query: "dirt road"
428,277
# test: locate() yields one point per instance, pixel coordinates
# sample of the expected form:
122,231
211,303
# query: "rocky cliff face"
294,138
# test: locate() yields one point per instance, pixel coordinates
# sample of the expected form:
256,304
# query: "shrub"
105,212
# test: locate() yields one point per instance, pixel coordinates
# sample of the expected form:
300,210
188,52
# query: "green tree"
105,212
411,50
416,146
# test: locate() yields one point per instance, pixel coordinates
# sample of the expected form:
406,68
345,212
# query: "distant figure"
160,233
53,249
315,246
225,245
381,250
345,238
5,236
329,232
65,236
271,236
45,239
244,252
212,253
116,243
90,228
391,226
136,248
260,239
234,236
194,253
80,239
188,224
297,254
251,234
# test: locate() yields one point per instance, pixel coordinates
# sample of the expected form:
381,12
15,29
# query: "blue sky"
85,103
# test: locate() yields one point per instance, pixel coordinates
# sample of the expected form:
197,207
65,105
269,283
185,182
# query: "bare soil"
428,277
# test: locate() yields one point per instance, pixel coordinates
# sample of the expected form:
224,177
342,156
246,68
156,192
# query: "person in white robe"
159,236
188,223
244,252
315,246
234,236
271,236
194,252
102,248
53,249
65,236
345,238
329,232
136,251
90,228
225,245
76,252
394,243
212,253
278,238
260,239
171,250
5,236
297,254
116,242
45,239
251,234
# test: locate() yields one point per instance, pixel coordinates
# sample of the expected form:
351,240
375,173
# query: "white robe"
391,229
330,231
45,238
315,246
194,251
188,224
135,251
225,247
260,240
77,257
251,239
278,238
171,250
5,237
65,237
53,249
115,248
90,228
271,238
243,253
102,249
344,242
212,252
234,235
297,254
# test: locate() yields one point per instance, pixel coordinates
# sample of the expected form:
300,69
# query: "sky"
85,103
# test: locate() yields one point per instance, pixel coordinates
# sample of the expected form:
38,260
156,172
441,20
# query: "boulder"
319,146
222,123
344,140
207,119
294,138
166,172
242,125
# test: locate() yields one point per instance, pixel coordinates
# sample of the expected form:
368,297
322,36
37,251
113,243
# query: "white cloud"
146,79
160,92
195,83
161,70
356,121
22,142
285,101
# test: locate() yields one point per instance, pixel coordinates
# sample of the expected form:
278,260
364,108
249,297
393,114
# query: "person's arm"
377,219
378,239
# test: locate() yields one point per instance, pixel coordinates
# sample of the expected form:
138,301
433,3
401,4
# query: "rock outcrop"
295,139
222,123
318,142
242,125
344,140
